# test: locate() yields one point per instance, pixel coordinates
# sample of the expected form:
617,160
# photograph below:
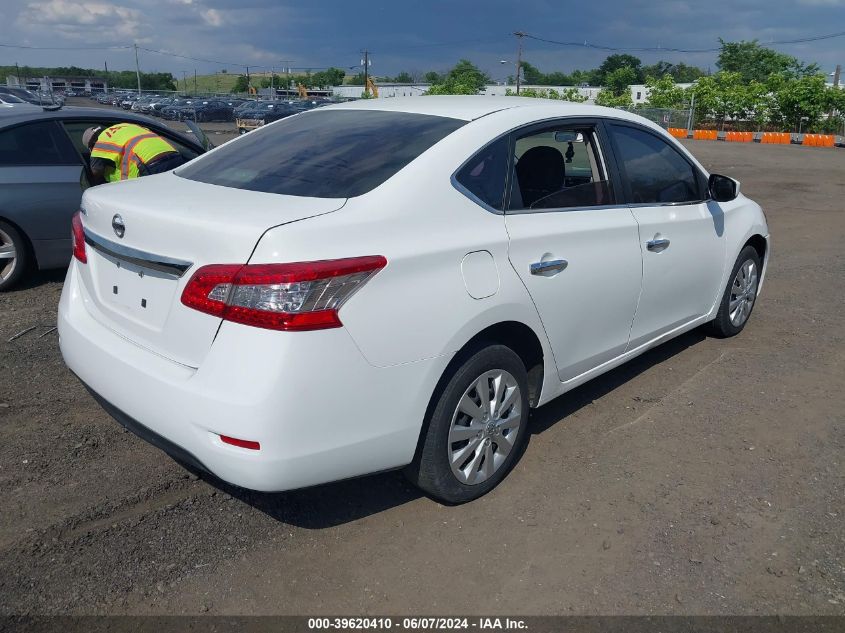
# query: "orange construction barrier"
819,140
739,137
776,138
705,135
677,132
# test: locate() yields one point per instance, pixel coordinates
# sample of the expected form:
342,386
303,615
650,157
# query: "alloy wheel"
8,256
484,427
743,293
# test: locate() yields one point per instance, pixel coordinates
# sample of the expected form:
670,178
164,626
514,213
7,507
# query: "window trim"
626,182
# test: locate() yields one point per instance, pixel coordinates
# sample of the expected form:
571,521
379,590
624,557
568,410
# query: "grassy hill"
221,82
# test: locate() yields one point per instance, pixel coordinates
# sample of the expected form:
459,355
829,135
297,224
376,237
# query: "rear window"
327,154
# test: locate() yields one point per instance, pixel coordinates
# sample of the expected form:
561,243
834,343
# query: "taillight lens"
299,296
78,236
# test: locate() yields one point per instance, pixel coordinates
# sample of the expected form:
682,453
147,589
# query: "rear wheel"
476,429
13,256
740,295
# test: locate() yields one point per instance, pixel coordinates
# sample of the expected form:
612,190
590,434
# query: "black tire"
431,470
12,270
722,326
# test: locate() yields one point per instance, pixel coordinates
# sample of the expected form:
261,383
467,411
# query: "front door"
574,246
681,234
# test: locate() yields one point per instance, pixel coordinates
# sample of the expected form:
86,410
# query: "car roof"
71,113
471,107
17,117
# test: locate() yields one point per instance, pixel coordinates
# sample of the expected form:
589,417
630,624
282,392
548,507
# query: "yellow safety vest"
128,145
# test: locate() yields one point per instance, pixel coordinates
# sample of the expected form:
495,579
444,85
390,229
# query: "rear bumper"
318,409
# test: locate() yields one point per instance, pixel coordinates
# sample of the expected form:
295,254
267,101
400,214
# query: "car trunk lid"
146,237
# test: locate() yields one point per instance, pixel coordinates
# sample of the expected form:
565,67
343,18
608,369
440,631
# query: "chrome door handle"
553,266
657,245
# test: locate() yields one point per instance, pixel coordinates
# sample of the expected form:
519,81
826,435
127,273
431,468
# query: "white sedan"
395,283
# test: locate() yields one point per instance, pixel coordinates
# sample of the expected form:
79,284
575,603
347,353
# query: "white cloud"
823,3
78,18
212,17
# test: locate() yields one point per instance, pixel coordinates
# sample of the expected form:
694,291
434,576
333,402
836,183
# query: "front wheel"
740,295
476,429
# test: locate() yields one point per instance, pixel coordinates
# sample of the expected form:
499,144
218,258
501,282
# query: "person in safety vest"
127,150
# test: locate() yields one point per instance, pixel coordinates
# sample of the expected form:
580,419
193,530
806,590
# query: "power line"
656,49
67,48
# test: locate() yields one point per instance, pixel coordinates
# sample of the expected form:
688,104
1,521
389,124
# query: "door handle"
550,268
657,245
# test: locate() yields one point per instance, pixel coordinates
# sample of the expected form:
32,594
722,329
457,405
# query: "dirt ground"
705,477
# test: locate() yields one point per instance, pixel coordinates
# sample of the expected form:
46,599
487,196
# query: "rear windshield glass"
323,154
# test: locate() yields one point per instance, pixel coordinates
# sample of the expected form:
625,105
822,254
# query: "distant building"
384,90
59,84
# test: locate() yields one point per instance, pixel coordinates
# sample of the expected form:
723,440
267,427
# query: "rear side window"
41,143
484,174
328,154
655,171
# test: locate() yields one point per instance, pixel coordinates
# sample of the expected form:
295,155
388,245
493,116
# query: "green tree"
403,78
799,103
531,74
464,79
754,61
680,72
607,98
663,93
355,80
617,62
433,77
327,78
241,84
570,94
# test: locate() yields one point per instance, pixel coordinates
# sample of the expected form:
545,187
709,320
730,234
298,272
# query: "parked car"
44,170
261,112
142,102
157,106
395,283
208,110
27,95
175,110
11,103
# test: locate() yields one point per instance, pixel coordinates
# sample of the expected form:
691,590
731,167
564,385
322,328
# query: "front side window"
324,154
558,168
656,172
36,144
484,174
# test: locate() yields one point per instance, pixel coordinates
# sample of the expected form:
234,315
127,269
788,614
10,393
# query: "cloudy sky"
402,34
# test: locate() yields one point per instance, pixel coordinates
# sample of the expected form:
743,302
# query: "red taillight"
253,446
299,296
78,235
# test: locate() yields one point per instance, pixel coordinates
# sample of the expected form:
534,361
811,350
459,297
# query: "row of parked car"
248,113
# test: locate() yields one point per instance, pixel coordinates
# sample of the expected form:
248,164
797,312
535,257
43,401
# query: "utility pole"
836,74
137,69
185,81
248,82
106,67
519,35
366,62
18,73
195,81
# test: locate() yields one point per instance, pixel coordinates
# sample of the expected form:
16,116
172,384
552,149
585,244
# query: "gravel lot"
705,477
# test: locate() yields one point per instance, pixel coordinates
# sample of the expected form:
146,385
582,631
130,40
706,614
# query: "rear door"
681,236
573,243
41,180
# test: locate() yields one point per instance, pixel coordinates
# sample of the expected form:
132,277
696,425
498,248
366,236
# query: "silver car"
43,172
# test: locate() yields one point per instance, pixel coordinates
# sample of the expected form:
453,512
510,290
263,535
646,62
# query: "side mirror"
721,188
